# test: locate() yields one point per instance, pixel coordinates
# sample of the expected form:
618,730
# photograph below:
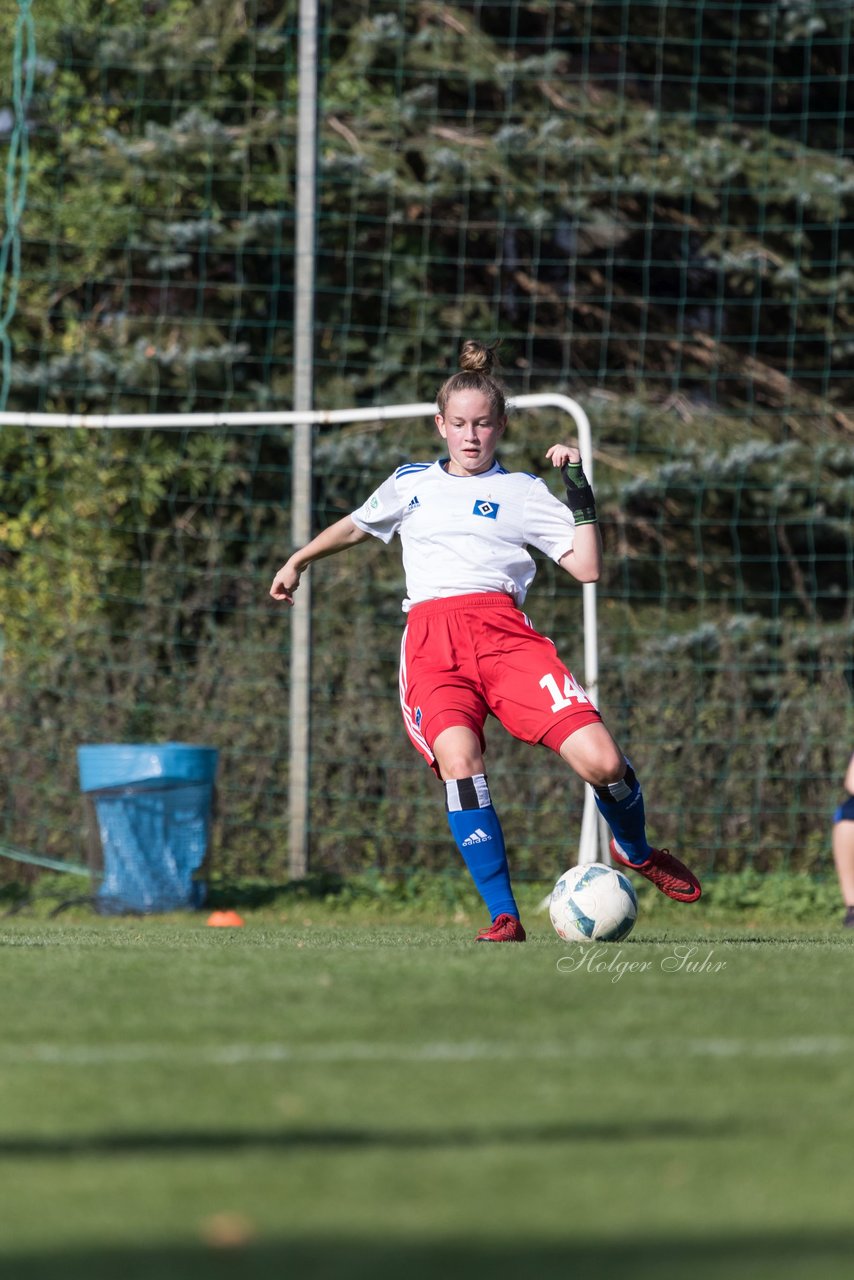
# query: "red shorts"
466,656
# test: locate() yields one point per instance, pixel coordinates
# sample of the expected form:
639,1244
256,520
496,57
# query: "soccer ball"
593,903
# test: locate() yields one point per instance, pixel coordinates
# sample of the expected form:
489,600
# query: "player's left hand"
561,454
579,494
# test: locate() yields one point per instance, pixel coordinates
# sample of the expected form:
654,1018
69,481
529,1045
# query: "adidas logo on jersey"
413,504
476,837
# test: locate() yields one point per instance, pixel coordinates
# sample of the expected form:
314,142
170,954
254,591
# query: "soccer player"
467,650
843,846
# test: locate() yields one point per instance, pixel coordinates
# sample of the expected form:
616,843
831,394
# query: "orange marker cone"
225,919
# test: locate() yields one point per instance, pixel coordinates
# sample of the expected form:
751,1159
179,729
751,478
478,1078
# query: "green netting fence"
650,203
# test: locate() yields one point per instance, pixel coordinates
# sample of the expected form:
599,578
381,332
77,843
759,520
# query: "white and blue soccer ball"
593,903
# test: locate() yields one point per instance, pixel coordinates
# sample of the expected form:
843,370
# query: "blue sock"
475,827
621,805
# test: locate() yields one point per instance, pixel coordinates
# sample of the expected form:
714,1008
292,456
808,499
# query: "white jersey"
467,534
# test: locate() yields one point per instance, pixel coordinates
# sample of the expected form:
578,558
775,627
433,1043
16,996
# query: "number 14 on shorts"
572,691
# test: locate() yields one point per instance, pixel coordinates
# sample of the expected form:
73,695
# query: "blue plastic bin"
153,806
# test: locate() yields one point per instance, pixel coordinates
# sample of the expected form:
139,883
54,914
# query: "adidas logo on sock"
476,837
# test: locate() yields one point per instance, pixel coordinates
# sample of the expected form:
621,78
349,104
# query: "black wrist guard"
579,494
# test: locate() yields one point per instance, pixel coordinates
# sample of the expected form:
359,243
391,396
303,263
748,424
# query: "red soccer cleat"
666,872
504,928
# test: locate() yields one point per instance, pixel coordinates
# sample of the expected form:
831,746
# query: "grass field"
340,1097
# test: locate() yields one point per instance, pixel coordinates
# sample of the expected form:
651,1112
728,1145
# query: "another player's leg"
476,829
843,856
595,757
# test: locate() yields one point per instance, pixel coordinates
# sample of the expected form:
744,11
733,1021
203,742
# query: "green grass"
323,1095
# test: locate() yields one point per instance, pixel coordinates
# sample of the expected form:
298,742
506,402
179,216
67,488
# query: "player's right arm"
337,537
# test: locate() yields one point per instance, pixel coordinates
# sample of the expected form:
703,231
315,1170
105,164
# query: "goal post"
593,843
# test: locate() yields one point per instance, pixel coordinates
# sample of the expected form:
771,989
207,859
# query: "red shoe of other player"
503,929
666,872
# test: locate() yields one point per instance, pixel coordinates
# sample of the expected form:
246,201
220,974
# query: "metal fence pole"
301,477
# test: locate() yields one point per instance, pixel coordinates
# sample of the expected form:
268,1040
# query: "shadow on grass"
757,1256
51,896
252,893
183,1142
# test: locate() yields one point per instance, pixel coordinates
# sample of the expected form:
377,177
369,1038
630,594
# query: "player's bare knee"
601,774
460,766
611,768
597,760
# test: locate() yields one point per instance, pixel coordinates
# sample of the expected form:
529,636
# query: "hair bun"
477,357
477,360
